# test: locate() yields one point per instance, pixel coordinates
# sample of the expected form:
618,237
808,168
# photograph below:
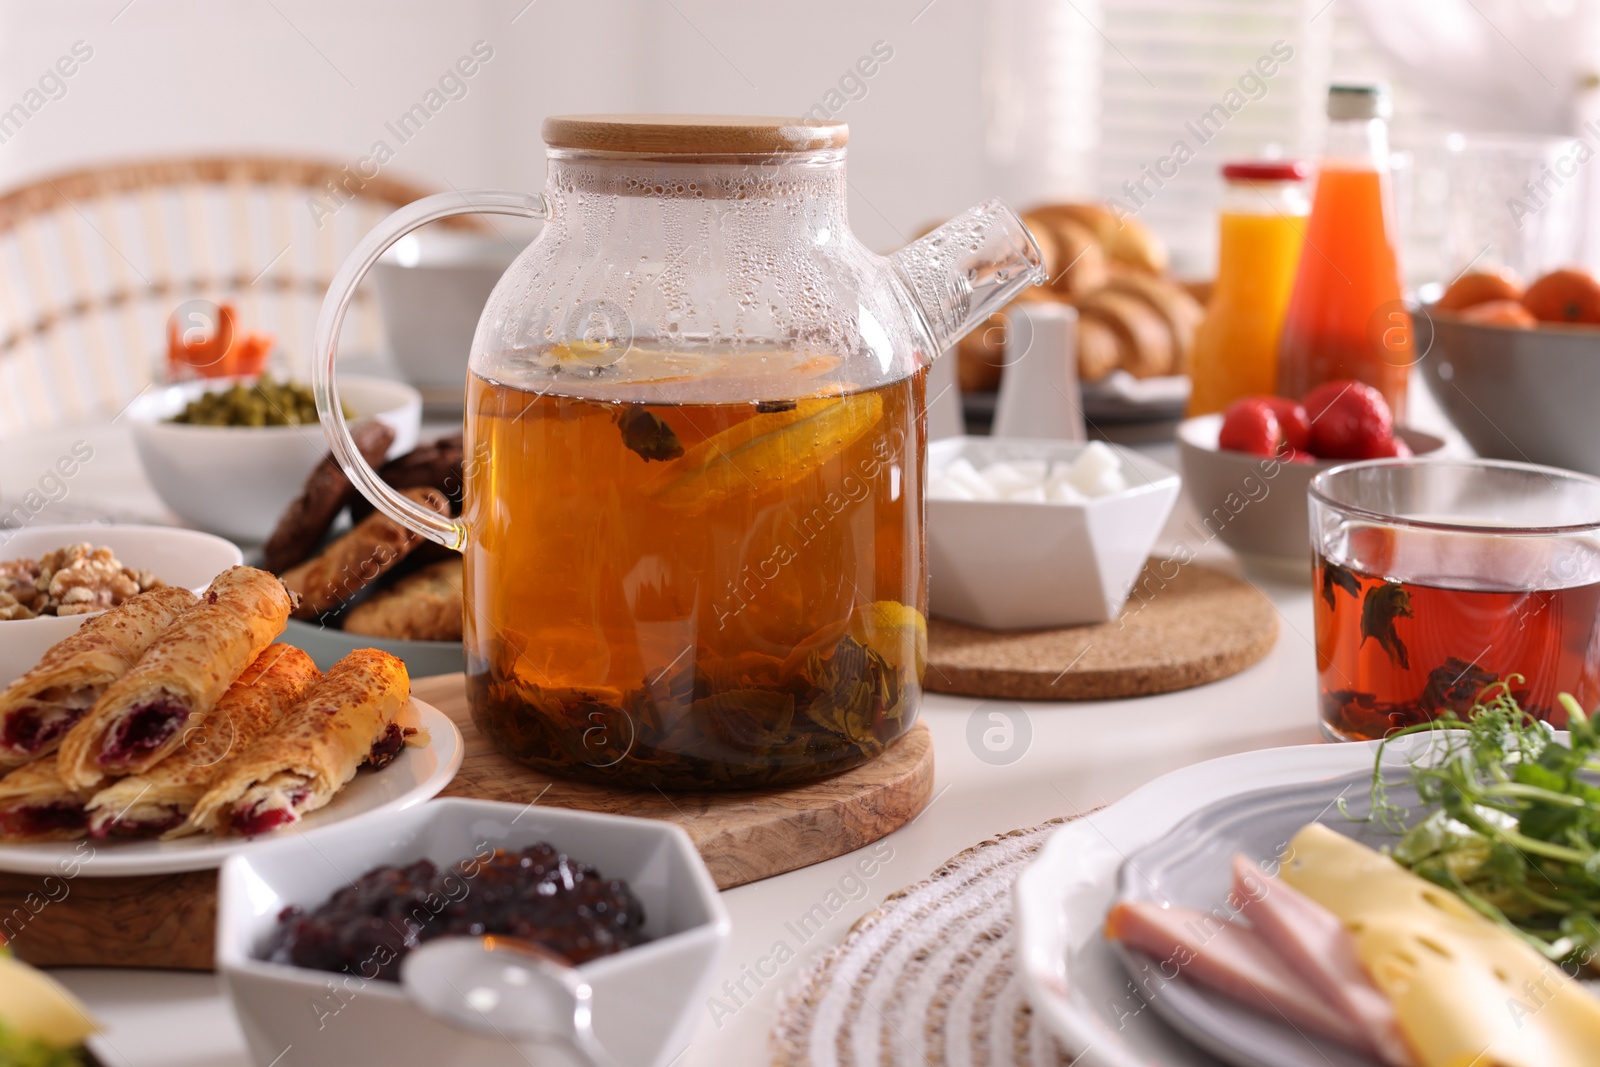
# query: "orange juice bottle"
1262,224
1346,318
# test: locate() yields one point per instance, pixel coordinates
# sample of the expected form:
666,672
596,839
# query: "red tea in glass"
1424,595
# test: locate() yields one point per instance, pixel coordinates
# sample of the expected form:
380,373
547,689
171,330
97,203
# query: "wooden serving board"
742,836
1185,625
167,921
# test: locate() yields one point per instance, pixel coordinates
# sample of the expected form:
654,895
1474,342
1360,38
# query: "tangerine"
1500,313
1479,287
1570,294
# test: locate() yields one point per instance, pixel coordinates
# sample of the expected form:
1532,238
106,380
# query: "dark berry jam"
43,819
170,818
387,747
260,820
144,730
26,732
536,894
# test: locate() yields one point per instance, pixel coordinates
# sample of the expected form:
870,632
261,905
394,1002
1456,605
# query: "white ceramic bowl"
178,557
1007,565
1516,394
236,480
1255,505
431,289
646,999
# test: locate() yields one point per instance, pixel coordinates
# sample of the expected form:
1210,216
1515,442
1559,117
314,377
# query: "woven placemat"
927,978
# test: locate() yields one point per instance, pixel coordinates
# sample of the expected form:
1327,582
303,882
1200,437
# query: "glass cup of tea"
1433,579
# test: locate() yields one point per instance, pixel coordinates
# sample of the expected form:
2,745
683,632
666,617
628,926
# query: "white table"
1081,755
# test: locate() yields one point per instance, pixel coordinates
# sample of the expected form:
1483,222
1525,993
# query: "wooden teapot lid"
693,135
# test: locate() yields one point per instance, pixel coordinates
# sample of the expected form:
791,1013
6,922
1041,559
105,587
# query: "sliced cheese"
1467,992
33,1006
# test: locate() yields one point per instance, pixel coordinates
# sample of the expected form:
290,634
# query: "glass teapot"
693,503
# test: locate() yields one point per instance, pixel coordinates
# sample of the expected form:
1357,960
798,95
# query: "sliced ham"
1317,947
1232,959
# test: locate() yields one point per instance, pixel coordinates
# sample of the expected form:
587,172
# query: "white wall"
321,77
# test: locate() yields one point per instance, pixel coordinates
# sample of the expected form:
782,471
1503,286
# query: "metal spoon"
506,987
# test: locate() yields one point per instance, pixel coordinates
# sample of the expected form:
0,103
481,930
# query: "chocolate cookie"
326,493
435,466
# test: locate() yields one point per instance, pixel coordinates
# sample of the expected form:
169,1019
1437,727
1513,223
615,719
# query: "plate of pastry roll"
173,729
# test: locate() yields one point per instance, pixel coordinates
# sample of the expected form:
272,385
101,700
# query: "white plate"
1121,397
417,774
327,646
1073,979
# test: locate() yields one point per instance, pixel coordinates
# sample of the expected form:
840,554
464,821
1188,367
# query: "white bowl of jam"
291,900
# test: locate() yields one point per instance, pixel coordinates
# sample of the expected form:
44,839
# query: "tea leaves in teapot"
689,728
648,434
854,687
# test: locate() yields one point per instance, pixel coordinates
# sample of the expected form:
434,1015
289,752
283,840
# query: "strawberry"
1290,454
1292,421
1398,449
1349,420
1249,425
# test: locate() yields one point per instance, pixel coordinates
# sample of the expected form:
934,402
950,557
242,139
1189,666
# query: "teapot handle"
452,533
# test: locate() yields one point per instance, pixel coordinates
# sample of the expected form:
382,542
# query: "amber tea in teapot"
716,593
693,513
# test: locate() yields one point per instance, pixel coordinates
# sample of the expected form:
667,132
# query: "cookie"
327,492
435,466
425,606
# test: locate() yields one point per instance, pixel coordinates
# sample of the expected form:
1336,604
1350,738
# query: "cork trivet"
1184,625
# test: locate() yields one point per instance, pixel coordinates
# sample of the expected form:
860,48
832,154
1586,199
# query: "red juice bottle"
1346,318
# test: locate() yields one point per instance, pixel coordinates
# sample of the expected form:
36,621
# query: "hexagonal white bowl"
646,999
1021,566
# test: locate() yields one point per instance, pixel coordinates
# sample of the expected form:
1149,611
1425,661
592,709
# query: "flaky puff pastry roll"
36,805
38,709
141,717
159,800
366,552
346,720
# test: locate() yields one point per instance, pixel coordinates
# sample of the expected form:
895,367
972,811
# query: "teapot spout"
967,269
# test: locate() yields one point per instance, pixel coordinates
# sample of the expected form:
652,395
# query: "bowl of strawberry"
1247,470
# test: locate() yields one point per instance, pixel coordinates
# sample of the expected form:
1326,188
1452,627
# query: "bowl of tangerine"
1515,367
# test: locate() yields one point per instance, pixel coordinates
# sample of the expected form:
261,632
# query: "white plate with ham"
1204,899
417,774
1173,850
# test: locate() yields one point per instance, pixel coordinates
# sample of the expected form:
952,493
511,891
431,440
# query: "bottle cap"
1267,170
1358,102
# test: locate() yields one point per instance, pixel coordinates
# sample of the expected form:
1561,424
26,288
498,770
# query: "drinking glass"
1433,579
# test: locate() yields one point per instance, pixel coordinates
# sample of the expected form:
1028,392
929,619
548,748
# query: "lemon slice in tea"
768,451
587,353
892,629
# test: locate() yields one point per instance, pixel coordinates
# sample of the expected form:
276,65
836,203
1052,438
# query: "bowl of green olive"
227,454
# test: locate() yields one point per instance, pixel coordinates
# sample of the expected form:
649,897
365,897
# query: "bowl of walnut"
52,578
